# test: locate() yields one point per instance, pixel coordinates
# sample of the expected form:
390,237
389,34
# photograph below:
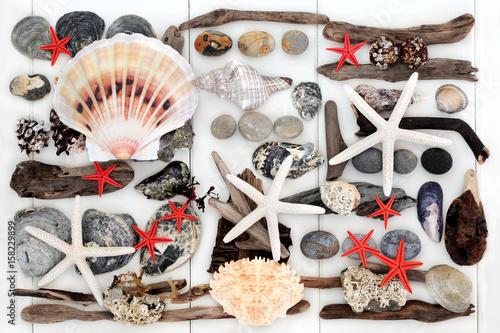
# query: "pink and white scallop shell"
123,94
256,291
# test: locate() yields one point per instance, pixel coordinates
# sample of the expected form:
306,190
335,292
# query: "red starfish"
385,210
398,266
361,247
178,214
347,51
149,239
102,177
57,46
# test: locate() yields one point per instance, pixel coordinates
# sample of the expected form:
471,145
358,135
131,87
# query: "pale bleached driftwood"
334,141
444,33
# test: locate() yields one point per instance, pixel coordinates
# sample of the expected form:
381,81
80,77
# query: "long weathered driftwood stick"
223,16
434,69
445,33
447,124
334,141
55,313
412,274
414,309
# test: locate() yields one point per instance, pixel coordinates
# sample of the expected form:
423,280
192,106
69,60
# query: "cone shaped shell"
123,94
242,84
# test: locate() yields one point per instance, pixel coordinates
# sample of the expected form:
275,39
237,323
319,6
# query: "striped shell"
240,83
256,291
451,99
123,94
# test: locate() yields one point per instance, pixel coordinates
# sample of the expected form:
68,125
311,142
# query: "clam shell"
241,84
29,34
130,24
451,99
256,43
83,27
449,287
123,94
256,291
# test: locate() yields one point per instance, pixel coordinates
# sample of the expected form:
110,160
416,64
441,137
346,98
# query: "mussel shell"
29,34
131,24
430,210
451,99
83,27
449,287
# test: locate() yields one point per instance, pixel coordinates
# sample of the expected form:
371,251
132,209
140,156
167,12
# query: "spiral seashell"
383,99
241,84
451,99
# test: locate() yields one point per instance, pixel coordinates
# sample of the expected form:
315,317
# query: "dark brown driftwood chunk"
32,179
334,141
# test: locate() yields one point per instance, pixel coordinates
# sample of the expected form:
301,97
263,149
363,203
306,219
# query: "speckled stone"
369,161
348,244
167,183
306,98
294,42
256,43
181,138
213,43
436,161
405,161
288,127
171,255
390,243
223,127
30,87
255,126
319,245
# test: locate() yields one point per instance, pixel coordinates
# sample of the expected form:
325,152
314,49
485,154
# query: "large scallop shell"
240,83
451,99
123,94
256,291
450,288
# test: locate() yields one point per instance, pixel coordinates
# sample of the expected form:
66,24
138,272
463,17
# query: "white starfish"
387,132
268,206
76,252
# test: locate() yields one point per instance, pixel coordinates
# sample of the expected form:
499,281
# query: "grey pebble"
319,245
288,127
30,87
223,127
348,244
405,161
389,244
255,126
369,161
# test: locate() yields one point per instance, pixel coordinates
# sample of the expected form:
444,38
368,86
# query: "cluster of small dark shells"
32,135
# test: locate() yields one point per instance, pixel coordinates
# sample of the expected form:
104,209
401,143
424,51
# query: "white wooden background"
480,47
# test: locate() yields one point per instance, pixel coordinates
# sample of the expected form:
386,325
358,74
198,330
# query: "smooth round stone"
348,244
390,244
436,161
255,126
369,161
30,87
223,127
319,245
294,42
288,127
213,43
256,43
405,161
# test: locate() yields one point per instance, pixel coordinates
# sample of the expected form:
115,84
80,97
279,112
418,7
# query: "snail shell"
451,99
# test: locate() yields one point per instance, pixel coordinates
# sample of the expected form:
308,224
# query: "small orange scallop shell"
256,291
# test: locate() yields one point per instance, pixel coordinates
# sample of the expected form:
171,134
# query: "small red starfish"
347,51
149,239
361,247
102,177
57,46
385,210
178,214
398,266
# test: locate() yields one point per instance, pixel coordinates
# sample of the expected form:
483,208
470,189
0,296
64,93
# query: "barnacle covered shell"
382,99
340,197
256,43
383,52
451,99
123,94
130,24
414,53
83,27
256,291
449,287
241,84
29,34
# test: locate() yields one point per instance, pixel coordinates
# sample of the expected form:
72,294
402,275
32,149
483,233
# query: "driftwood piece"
446,124
173,37
434,69
444,33
414,309
87,299
368,204
55,313
32,179
411,274
334,141
223,16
